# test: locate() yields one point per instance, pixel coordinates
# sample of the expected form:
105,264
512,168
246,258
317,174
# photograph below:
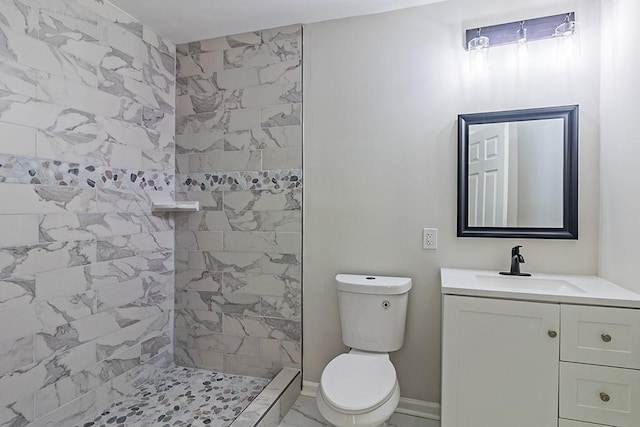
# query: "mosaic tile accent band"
30,170
247,180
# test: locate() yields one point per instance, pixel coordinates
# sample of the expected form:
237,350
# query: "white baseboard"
413,407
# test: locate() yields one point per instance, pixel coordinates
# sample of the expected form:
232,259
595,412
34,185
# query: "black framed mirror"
518,173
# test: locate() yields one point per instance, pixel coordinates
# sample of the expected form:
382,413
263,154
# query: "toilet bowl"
358,389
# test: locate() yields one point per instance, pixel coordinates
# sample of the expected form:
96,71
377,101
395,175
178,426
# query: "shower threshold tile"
182,397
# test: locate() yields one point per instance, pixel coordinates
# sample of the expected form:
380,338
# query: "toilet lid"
354,382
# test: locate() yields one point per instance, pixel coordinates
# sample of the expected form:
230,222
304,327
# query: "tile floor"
304,413
183,397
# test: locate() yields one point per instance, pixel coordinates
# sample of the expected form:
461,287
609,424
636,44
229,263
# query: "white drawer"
600,394
572,423
600,335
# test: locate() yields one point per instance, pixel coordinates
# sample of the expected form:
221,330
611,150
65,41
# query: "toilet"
360,388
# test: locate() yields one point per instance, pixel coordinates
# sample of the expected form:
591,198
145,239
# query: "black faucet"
516,260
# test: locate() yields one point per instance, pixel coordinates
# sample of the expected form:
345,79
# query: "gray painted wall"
620,149
381,98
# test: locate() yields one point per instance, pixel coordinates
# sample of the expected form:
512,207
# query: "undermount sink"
527,283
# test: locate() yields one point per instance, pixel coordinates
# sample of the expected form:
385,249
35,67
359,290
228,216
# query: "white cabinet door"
499,363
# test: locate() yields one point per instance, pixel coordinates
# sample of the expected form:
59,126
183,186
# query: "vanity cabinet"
500,363
513,363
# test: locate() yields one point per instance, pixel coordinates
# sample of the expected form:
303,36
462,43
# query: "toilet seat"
358,383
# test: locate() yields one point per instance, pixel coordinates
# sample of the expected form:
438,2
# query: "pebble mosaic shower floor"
182,397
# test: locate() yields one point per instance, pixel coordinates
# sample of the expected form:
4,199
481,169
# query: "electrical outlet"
430,238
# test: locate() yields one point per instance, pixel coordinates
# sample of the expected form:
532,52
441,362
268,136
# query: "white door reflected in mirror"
515,174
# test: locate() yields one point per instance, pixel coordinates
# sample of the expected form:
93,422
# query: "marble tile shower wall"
87,98
239,152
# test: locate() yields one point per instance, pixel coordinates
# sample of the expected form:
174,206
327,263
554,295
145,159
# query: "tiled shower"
239,152
88,280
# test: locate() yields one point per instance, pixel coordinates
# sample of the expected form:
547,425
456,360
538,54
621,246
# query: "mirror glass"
515,173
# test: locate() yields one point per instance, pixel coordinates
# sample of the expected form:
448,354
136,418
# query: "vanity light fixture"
564,35
567,28
521,36
561,26
479,51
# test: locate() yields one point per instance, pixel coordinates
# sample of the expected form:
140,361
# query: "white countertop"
558,288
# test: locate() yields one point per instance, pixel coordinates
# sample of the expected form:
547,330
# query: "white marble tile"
199,280
200,142
248,118
17,291
271,94
69,414
281,72
60,227
27,199
288,306
118,247
18,140
225,42
26,381
224,261
258,284
282,264
287,353
262,54
123,294
95,151
261,327
25,111
123,338
238,78
40,55
20,16
17,78
16,353
18,230
62,310
282,158
280,33
26,260
263,200
262,241
118,37
243,365
60,91
281,115
199,359
402,420
69,281
199,240
123,201
204,63
220,161
118,62
18,413
158,41
266,138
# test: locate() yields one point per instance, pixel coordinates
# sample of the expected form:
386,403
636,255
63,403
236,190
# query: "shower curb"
273,403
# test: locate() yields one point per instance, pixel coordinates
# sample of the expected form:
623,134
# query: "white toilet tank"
373,311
